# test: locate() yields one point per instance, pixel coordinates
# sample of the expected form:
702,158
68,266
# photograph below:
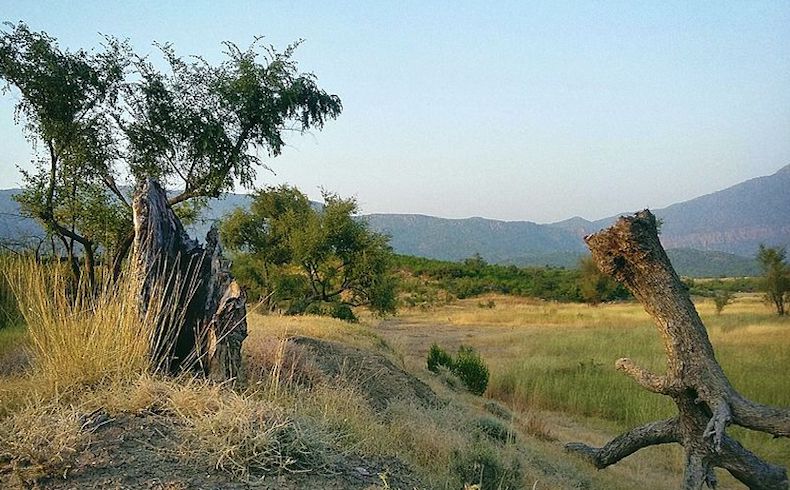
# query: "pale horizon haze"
534,111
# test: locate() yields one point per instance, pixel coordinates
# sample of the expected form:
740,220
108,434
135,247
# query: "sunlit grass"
560,357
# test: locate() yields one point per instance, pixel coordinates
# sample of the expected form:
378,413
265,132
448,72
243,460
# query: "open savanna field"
553,363
322,398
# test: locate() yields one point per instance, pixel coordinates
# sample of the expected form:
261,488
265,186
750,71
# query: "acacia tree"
776,276
63,107
301,257
114,116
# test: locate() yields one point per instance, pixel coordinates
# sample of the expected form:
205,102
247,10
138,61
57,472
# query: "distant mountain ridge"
735,220
715,234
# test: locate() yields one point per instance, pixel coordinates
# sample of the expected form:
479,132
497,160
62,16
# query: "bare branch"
659,432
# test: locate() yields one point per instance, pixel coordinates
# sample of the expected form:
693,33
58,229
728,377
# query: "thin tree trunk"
707,403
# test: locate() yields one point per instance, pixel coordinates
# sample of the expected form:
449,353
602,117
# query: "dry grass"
551,363
554,363
77,339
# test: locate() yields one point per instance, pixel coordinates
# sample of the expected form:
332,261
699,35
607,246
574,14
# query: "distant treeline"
421,277
428,281
708,287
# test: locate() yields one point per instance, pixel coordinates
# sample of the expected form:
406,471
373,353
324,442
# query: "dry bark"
707,403
187,291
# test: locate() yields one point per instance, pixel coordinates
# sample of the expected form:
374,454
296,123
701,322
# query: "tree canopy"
776,276
99,120
301,259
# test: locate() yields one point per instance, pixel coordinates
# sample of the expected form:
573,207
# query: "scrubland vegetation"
551,380
550,358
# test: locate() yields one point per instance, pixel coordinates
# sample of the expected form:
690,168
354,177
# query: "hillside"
735,220
712,235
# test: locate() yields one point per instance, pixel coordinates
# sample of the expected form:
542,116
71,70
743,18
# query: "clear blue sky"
508,110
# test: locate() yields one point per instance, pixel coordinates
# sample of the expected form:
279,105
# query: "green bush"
495,429
439,357
482,465
472,370
468,366
343,312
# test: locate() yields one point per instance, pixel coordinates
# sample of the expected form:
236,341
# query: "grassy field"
551,366
556,361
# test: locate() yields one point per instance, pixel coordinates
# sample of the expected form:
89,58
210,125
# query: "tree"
721,299
595,286
110,116
776,276
63,105
307,260
706,401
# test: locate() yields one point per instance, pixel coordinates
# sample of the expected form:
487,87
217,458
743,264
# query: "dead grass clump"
40,440
244,435
279,363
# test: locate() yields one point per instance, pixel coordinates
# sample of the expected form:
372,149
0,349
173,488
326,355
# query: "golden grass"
75,338
559,359
552,363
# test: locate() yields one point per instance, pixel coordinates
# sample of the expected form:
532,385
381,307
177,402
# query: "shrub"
494,429
721,299
439,357
481,465
472,370
343,312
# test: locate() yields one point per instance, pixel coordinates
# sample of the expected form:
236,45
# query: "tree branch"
645,378
659,432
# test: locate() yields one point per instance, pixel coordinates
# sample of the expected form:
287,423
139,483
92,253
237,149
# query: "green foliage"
721,299
439,357
472,370
300,259
595,286
710,287
776,276
474,277
482,465
103,117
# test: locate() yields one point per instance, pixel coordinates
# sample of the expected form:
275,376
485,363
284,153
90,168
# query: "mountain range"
712,235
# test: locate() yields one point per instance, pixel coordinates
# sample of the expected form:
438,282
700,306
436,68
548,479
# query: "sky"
519,110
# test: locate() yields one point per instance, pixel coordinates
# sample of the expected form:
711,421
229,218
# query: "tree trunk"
187,290
707,403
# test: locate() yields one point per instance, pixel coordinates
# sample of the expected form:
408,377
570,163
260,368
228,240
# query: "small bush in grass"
472,370
482,465
468,366
494,429
721,299
343,312
439,357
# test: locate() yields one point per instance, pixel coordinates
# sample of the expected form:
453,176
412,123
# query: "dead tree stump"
186,290
707,403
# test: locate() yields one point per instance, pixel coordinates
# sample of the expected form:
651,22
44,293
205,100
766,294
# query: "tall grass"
10,315
560,357
77,337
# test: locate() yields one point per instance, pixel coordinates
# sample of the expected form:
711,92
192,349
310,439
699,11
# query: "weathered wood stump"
186,290
707,403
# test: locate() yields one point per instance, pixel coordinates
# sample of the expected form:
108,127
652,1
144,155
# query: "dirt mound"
379,380
140,451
